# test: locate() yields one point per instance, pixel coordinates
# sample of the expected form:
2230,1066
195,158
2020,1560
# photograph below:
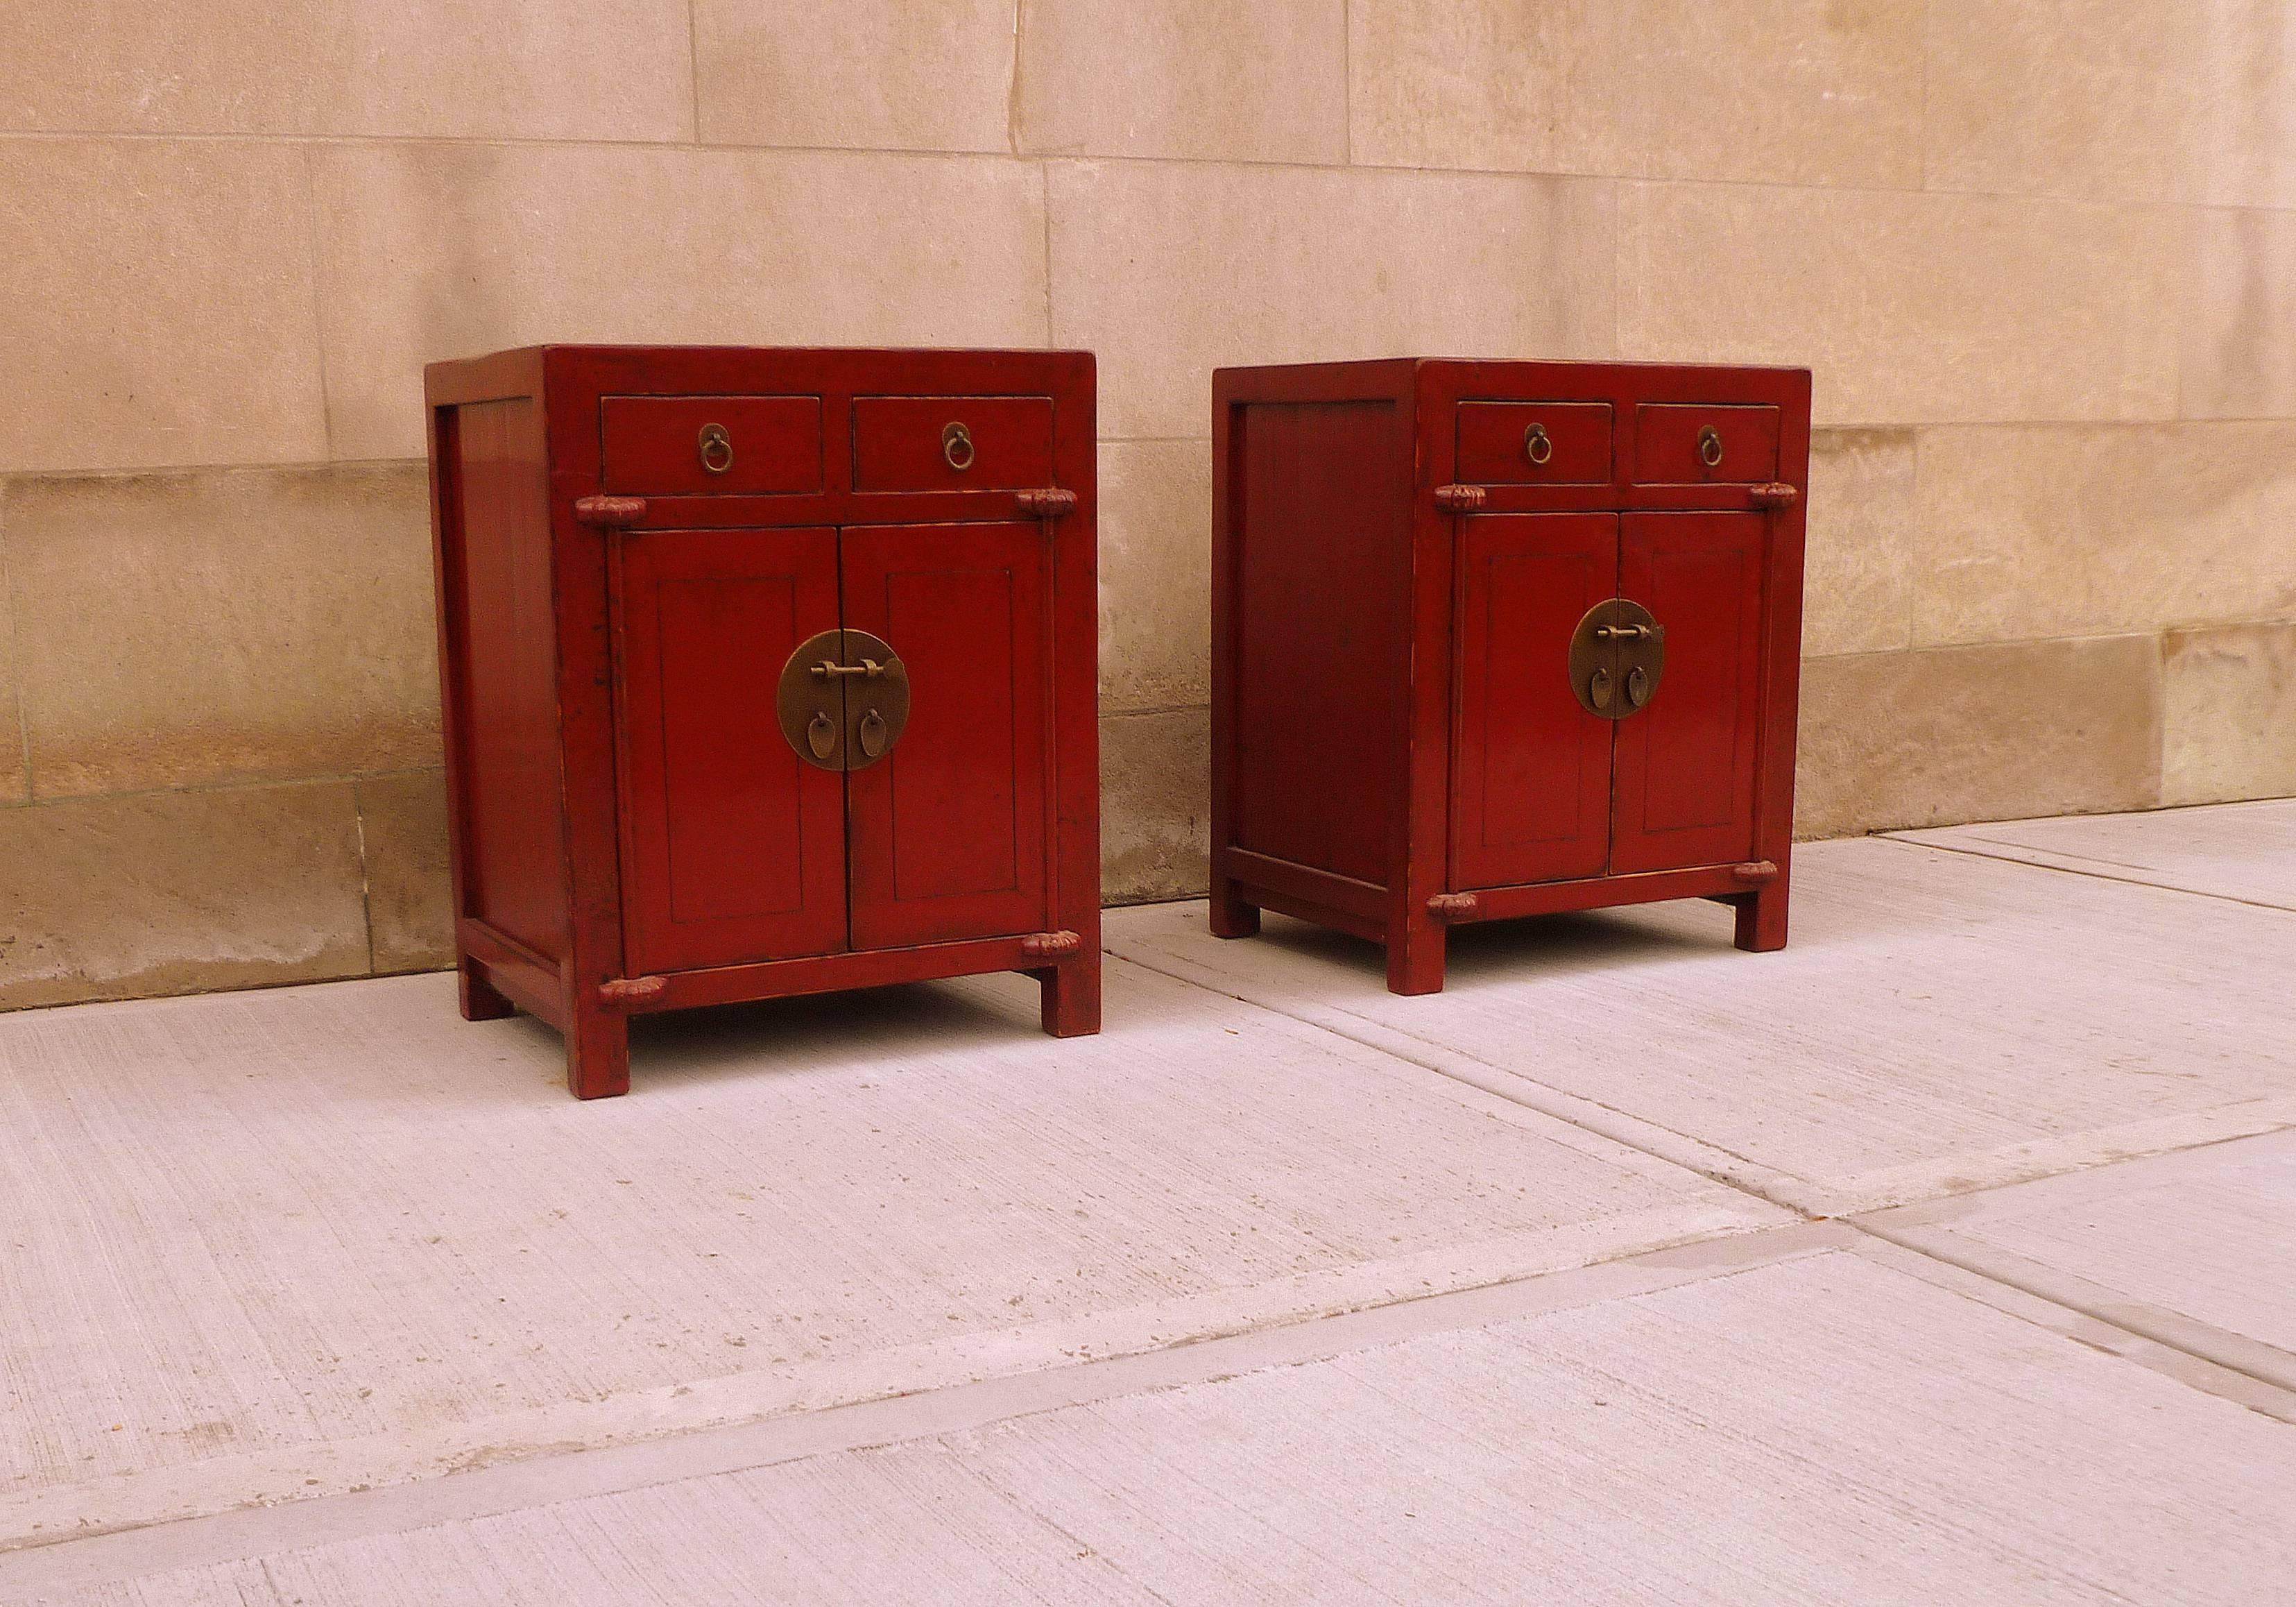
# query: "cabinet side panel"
498,586
1322,582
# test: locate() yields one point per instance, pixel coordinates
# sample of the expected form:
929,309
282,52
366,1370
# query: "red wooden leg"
1072,996
1415,956
1231,916
480,1001
1762,919
597,1056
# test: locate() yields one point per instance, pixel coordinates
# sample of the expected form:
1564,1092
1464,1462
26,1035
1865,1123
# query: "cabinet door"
1684,785
734,849
948,830
1532,771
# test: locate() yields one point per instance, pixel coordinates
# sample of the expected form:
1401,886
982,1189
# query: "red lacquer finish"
734,848
630,542
1403,551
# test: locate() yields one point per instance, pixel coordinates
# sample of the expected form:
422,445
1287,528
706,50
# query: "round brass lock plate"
876,705
843,699
812,707
1617,655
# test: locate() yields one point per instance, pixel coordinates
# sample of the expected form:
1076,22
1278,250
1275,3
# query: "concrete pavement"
1281,1289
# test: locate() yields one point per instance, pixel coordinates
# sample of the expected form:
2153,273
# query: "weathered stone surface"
706,246
1265,82
1155,574
911,74
1858,567
470,69
2239,314
2048,530
1938,735
179,892
2141,101
2230,713
403,838
1816,92
1155,801
1168,270
218,625
1908,307
160,304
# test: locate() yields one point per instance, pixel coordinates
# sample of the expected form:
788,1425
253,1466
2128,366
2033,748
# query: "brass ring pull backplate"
956,446
1710,446
1617,655
717,448
843,699
1536,444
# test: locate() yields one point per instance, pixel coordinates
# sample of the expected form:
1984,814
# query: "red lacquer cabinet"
1501,639
764,672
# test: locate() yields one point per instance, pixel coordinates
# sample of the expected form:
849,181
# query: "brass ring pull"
956,446
1639,689
717,448
872,734
1598,689
1710,446
1536,446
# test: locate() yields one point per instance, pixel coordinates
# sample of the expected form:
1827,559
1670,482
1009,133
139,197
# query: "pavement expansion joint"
90,1561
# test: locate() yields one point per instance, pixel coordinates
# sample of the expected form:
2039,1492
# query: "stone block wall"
2041,255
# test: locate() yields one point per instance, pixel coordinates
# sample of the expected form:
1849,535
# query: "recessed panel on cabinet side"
1322,587
500,612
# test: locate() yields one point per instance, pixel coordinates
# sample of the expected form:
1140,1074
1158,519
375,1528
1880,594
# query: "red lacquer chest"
764,672
1501,639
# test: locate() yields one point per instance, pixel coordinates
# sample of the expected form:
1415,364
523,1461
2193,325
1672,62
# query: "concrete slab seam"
2055,862
92,1562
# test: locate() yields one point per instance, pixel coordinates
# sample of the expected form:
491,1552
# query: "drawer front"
1535,444
952,444
697,445
1678,443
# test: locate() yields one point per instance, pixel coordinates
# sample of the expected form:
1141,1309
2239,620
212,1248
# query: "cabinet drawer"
1678,443
1535,444
666,445
952,444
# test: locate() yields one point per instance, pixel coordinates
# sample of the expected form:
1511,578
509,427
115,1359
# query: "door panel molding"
1685,770
733,849
947,835
1531,781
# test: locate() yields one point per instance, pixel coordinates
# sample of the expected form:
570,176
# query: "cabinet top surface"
818,353
1438,382
1586,369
